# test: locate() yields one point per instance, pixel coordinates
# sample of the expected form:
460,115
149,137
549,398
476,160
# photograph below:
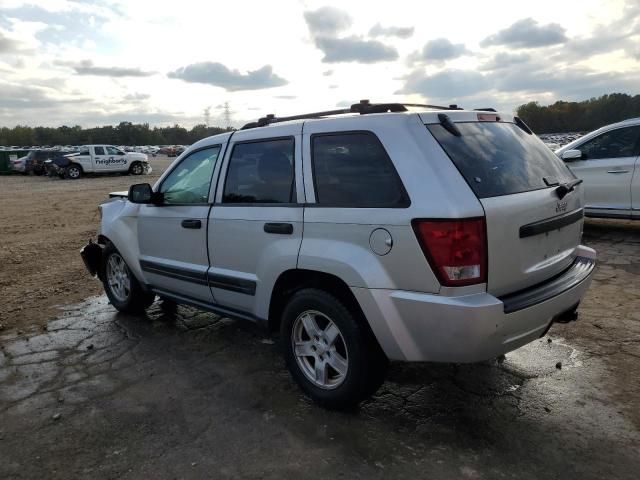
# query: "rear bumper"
412,326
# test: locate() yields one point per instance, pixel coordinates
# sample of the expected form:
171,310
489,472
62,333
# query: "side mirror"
571,155
142,193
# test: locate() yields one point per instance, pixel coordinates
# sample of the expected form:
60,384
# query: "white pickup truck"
105,159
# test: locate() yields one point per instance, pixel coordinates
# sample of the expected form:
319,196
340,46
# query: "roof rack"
364,107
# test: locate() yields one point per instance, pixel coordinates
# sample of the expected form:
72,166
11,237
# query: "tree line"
125,133
579,116
556,118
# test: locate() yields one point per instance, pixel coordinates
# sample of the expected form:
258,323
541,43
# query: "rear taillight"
455,249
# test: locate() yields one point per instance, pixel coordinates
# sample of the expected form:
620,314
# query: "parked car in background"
105,159
36,160
168,150
32,162
608,160
19,165
441,235
57,165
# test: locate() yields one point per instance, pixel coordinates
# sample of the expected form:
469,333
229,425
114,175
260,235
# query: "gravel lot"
183,394
43,224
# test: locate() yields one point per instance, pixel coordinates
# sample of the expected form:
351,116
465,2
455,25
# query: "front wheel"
73,172
332,356
120,285
136,169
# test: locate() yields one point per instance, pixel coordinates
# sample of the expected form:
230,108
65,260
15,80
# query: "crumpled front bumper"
91,255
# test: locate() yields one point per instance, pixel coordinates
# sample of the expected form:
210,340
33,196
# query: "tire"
73,172
136,168
351,364
120,285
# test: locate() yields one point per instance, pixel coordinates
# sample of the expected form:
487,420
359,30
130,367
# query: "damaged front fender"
92,257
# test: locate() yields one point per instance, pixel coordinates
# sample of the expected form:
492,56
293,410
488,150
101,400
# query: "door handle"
617,171
191,223
279,228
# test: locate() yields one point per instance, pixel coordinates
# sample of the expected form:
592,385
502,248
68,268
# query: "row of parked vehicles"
73,161
86,159
366,235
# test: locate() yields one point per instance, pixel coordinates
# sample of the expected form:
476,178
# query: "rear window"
499,158
354,170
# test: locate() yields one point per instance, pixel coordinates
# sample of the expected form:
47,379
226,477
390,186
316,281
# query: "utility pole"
207,116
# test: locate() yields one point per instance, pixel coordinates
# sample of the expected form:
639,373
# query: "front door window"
189,182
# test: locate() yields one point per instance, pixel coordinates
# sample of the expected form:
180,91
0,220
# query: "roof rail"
364,107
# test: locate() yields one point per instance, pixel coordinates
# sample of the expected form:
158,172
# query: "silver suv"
363,235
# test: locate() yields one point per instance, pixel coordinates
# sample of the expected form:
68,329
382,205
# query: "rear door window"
98,150
261,172
499,158
354,170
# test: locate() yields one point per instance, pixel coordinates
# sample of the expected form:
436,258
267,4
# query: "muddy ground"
183,394
43,224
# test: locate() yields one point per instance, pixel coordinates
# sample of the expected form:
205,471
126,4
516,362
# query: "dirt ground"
43,224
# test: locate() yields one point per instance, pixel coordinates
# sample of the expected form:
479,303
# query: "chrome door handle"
617,171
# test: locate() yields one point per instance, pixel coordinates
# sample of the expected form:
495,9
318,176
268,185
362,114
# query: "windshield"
498,158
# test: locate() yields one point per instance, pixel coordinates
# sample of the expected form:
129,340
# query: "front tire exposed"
120,285
331,355
136,168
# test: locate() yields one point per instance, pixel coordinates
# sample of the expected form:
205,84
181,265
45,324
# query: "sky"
100,62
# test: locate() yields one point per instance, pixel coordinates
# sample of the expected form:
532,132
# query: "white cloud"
527,33
84,59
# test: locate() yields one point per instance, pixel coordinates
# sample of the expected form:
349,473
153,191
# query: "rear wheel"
73,172
136,168
120,285
329,353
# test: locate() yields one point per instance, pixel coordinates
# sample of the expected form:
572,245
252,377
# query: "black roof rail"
487,109
364,107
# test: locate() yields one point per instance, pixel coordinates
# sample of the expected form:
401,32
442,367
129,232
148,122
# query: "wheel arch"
132,164
291,281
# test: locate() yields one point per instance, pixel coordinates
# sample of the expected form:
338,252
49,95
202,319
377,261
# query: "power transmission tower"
227,115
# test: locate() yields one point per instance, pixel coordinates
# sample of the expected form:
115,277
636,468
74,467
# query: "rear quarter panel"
336,239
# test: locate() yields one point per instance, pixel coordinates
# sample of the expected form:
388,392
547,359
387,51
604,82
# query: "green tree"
580,116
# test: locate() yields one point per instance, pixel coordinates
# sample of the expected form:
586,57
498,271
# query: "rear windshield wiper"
448,125
565,188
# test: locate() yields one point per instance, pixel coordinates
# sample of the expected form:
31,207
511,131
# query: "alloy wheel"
118,277
319,349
